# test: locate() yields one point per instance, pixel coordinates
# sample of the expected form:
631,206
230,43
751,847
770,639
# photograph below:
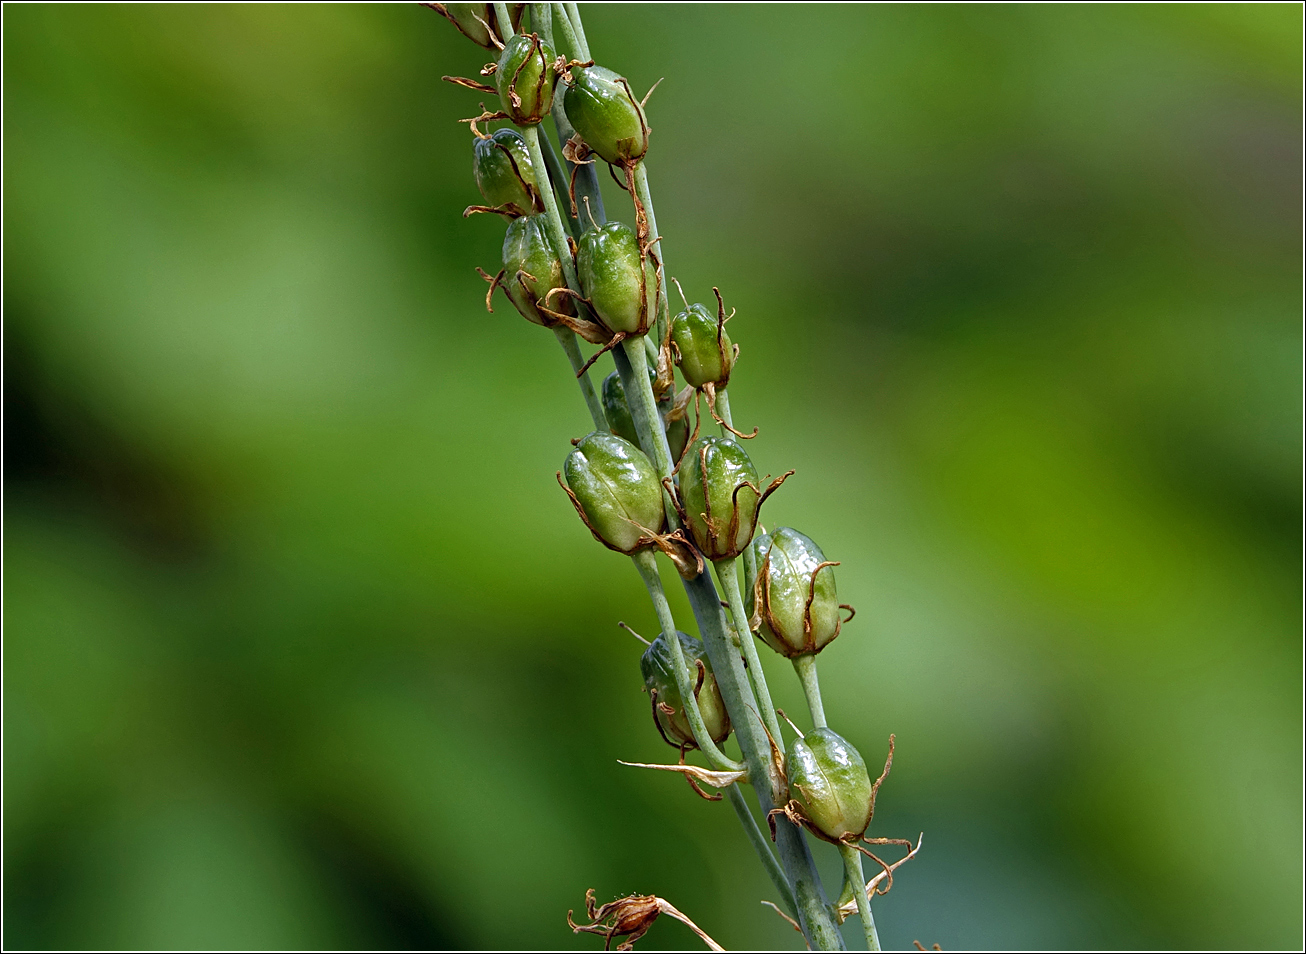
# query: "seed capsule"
525,79
504,174
828,778
532,270
477,21
658,666
618,278
794,600
616,491
601,107
720,495
702,348
617,410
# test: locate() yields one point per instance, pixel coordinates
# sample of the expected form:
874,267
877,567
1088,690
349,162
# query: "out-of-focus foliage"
304,646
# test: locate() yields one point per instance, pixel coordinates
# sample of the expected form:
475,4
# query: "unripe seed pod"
794,600
504,174
658,666
720,495
617,410
532,270
677,435
829,779
702,347
525,79
618,278
477,21
601,107
616,491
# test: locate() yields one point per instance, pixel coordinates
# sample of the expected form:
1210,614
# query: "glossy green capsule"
720,496
794,594
602,108
504,174
525,79
616,491
477,21
531,270
828,778
701,347
618,278
658,666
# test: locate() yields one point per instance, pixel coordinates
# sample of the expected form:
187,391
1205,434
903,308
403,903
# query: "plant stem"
505,21
852,865
647,565
814,913
553,223
726,575
567,338
805,666
762,847
573,14
568,32
646,200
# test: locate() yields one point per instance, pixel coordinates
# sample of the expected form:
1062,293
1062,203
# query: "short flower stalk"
643,484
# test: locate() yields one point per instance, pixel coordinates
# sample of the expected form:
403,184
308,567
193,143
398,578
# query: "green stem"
723,408
568,32
632,366
646,200
567,338
805,666
553,224
852,865
573,14
762,847
726,575
505,21
647,565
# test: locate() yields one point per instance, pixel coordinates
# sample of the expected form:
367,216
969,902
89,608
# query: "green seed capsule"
525,79
532,270
794,595
601,107
720,496
702,347
677,435
657,665
829,779
504,174
617,410
616,491
618,278
477,21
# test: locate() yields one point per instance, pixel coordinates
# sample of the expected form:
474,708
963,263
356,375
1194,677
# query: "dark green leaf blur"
304,647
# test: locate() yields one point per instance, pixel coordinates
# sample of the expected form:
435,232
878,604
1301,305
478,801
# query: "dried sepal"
713,777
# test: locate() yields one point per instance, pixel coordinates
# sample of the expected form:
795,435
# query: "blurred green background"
305,648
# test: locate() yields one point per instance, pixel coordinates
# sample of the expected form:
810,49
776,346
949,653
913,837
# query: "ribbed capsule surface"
617,277
617,488
504,174
797,604
532,270
658,668
829,779
701,357
719,493
601,107
525,79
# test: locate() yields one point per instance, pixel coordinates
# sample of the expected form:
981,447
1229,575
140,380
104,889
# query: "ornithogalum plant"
643,484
